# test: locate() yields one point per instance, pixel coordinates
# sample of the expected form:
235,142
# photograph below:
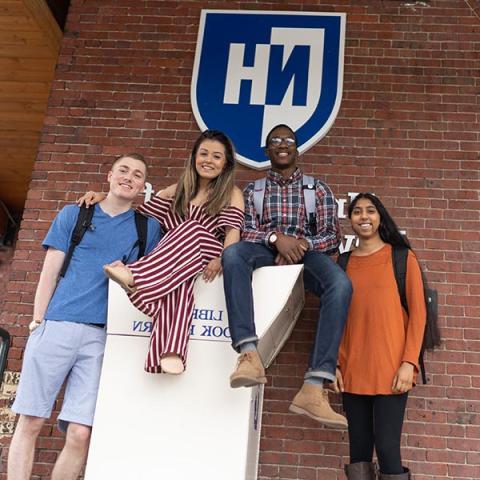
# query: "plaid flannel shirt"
284,211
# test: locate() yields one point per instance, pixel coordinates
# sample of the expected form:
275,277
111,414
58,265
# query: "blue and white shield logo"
254,70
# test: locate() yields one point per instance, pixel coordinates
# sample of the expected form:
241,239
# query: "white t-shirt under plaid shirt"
284,211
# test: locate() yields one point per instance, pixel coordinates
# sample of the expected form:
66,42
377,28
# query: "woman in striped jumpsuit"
201,215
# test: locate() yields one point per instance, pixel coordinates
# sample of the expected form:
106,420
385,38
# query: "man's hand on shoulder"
290,248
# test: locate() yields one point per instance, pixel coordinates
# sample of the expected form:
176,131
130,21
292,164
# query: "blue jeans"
321,276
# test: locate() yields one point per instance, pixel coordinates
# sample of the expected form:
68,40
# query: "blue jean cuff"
320,374
236,346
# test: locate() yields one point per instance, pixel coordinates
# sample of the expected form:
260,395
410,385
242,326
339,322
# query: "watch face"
273,238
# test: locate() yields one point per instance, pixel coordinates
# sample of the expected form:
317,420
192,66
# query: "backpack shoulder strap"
421,362
141,222
258,196
84,221
399,260
342,260
309,196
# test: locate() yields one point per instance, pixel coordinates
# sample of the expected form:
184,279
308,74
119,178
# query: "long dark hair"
388,229
221,188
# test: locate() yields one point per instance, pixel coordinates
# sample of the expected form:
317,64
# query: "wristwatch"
272,238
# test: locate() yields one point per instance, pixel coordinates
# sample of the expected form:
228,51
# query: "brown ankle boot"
361,471
312,401
249,371
400,476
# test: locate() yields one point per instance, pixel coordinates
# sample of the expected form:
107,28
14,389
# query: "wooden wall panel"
29,45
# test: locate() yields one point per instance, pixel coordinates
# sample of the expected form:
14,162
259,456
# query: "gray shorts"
57,351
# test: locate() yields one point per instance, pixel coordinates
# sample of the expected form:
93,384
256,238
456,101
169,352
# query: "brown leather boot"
312,401
400,476
249,371
361,471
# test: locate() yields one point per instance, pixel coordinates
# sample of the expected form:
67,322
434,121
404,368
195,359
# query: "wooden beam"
20,22
29,45
37,51
21,37
42,15
24,87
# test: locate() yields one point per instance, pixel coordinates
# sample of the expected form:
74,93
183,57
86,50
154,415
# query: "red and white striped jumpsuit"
164,279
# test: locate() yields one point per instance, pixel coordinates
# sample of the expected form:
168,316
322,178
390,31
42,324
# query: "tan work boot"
249,371
312,401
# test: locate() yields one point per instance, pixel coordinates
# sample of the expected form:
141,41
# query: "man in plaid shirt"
282,235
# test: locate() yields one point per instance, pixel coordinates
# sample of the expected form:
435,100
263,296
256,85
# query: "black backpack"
84,222
431,336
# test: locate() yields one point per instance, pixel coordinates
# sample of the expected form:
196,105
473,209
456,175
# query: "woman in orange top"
378,356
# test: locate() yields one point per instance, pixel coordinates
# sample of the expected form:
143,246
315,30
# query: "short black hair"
269,134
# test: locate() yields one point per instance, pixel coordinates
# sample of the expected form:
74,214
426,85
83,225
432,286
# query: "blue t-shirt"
81,296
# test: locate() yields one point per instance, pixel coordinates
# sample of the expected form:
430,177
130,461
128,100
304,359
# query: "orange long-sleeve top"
379,335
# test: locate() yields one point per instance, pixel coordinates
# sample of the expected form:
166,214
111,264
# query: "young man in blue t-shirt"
68,335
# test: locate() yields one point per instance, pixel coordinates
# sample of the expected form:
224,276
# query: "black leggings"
376,421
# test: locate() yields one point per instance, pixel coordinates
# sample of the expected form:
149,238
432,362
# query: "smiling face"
365,219
127,178
210,159
282,148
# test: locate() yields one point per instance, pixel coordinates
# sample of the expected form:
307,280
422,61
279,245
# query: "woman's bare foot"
171,363
121,274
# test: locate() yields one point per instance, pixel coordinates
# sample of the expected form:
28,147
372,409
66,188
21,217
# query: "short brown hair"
135,156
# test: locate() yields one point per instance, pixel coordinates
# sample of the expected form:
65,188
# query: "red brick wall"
407,129
6,254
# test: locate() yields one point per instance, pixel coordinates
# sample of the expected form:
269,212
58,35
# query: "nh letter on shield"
254,70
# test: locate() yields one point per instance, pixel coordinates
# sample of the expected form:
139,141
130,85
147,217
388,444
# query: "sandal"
172,364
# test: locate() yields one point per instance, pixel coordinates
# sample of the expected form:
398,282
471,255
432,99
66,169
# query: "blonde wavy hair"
220,188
